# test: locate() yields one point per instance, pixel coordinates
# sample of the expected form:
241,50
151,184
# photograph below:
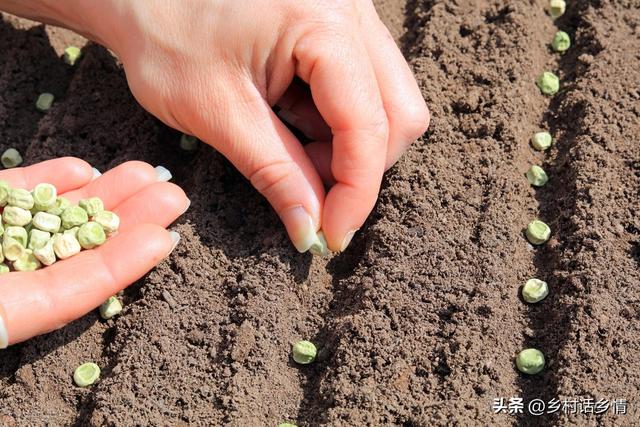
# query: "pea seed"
44,196
188,142
561,41
538,232
38,239
92,205
11,158
110,308
26,262
20,198
535,290
557,8
11,248
44,102
541,141
46,222
109,221
65,246
530,361
13,215
73,216
71,55
46,254
548,83
61,204
286,425
86,374
4,193
91,235
537,176
319,247
18,233
304,352
4,269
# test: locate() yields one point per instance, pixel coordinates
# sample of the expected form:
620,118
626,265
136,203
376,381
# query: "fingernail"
163,174
288,117
347,240
319,247
186,207
96,174
4,336
300,227
175,238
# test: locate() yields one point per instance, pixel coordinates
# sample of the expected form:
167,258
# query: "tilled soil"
418,323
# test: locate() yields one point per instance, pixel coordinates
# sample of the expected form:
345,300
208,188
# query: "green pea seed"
13,215
46,254
557,8
74,216
319,247
11,248
86,374
530,361
11,158
110,308
4,193
304,352
38,238
71,55
66,246
61,204
534,291
26,262
47,222
109,221
538,232
91,235
537,176
286,425
18,233
561,41
44,196
44,102
4,269
548,83
188,142
92,205
20,198
541,141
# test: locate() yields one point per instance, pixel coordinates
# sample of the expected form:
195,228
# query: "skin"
216,68
33,303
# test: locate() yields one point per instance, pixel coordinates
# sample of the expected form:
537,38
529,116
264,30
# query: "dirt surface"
418,323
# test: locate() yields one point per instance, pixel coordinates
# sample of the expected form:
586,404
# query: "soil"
418,323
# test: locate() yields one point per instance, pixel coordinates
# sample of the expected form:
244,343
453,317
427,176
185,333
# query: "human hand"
33,303
214,69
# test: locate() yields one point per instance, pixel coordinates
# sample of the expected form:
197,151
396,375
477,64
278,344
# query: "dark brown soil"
419,321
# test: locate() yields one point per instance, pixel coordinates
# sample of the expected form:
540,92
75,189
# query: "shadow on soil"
551,321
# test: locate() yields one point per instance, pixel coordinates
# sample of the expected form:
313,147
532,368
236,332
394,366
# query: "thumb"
254,139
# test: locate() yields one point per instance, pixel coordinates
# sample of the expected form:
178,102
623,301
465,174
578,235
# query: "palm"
32,303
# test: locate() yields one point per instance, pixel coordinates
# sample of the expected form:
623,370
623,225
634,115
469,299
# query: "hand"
33,303
214,69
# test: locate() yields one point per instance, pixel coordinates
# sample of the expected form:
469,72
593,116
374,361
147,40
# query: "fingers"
253,138
403,102
118,184
346,92
160,203
298,109
320,153
65,173
33,303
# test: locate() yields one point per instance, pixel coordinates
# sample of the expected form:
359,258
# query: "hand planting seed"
534,291
538,232
561,41
188,142
44,102
91,235
74,216
304,352
541,141
110,308
92,206
548,83
86,374
530,361
71,55
537,176
557,8
11,158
